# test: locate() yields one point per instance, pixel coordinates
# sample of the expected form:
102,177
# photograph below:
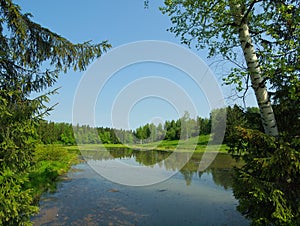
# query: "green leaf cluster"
50,161
16,201
267,186
274,30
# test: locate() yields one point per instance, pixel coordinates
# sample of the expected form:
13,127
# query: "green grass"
197,144
50,162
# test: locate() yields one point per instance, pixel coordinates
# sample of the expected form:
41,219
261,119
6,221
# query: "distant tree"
129,137
172,130
185,127
105,137
51,133
160,133
143,133
204,125
218,119
153,132
67,134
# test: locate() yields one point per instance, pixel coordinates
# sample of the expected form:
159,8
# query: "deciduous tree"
265,33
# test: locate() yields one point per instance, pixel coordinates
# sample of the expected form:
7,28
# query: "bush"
16,202
51,161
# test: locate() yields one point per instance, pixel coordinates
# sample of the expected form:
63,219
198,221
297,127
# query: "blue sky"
119,22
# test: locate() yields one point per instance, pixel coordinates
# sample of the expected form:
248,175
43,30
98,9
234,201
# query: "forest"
182,128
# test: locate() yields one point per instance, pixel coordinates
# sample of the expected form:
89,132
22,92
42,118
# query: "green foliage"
51,133
30,45
253,120
143,132
234,116
16,134
113,136
218,120
274,30
20,191
65,133
16,201
17,141
172,129
287,113
267,186
50,161
53,153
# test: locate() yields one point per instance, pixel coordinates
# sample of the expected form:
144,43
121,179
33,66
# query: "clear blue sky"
120,22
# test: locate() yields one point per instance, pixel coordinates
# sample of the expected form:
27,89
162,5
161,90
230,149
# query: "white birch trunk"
257,81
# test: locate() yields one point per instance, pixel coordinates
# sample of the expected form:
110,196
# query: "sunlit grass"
50,162
197,144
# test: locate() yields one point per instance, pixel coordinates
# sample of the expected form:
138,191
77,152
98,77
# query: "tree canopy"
267,31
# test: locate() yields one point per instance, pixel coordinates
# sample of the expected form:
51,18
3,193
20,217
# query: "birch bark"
257,80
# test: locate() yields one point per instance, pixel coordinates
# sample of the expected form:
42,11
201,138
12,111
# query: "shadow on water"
190,197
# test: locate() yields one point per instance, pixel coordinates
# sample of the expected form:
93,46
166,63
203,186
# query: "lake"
189,197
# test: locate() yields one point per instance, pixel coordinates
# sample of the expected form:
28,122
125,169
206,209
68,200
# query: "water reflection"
191,197
221,168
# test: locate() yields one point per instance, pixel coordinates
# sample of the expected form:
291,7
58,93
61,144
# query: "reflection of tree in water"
222,177
151,157
221,168
188,175
121,153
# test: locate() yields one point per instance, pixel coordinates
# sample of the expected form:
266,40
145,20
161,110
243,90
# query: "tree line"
182,128
67,134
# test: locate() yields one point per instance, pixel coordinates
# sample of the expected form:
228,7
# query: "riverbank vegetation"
23,190
49,163
195,144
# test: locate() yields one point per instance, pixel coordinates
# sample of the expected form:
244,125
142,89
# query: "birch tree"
264,33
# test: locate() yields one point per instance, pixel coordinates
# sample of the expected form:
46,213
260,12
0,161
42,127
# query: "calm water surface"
189,197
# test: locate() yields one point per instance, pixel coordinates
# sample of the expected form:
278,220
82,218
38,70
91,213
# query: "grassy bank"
199,144
50,162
